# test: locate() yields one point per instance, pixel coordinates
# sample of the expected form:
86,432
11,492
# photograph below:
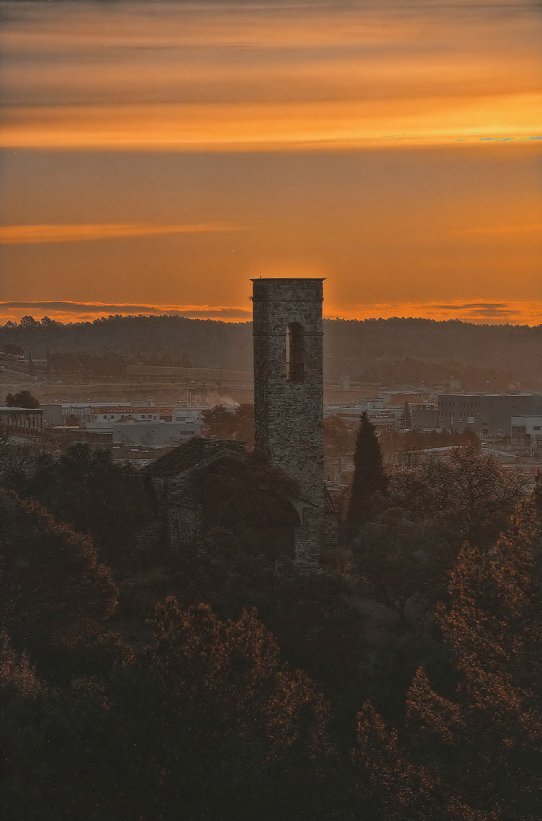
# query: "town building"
53,415
79,413
105,417
526,433
288,409
23,422
488,414
423,415
153,433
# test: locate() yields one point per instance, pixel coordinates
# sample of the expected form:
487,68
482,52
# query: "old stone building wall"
288,393
289,427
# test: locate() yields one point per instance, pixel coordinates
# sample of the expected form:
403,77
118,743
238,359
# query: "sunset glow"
40,234
160,156
490,313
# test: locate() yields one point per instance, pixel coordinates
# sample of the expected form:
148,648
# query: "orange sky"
160,155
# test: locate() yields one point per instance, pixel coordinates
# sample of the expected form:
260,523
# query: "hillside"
511,353
388,350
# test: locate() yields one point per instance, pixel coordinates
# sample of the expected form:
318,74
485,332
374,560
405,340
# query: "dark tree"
471,749
55,592
407,549
85,488
338,436
369,477
12,349
225,423
209,722
22,399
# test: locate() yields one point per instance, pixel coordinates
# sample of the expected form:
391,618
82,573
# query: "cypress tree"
369,476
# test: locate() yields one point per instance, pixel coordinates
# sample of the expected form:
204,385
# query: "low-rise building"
488,414
122,423
153,434
191,415
382,415
53,415
57,414
106,416
24,422
526,432
424,416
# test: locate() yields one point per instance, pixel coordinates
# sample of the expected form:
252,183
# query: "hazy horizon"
77,313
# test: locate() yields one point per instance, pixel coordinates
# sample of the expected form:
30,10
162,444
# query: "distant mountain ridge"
361,349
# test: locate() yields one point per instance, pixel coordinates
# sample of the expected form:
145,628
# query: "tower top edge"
288,279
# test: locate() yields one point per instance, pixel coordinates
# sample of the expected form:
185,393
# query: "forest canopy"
387,350
402,683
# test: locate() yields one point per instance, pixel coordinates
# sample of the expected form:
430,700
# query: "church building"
288,409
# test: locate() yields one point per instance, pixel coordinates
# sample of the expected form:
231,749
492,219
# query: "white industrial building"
146,426
153,434
526,432
102,418
56,414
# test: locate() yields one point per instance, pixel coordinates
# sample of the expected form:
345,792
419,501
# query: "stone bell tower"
288,395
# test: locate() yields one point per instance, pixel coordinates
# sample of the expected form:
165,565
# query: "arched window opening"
295,353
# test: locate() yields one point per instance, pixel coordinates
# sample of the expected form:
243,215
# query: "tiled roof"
189,455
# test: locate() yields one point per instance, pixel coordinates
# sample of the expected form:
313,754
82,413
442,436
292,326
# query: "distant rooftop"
11,409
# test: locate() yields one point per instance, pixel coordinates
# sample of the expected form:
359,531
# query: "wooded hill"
376,350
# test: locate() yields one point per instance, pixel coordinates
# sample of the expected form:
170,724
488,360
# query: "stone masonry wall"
289,414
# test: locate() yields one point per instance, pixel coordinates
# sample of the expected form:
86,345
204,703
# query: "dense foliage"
381,351
22,399
475,750
230,423
86,489
137,683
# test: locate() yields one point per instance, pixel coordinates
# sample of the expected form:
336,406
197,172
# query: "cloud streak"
479,312
270,126
40,234
485,312
68,310
231,77
491,231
